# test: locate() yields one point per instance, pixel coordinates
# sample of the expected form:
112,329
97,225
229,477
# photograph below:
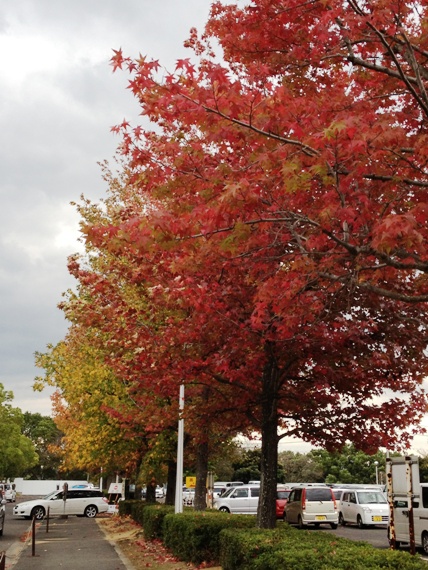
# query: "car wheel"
91,511
300,523
333,526
341,520
224,510
360,522
425,542
38,513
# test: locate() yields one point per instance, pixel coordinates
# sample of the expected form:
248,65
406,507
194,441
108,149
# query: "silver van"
243,500
311,506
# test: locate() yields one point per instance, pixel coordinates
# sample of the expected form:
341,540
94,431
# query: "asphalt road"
14,529
72,543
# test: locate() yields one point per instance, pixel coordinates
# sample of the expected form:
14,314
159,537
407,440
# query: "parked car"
10,494
311,506
243,499
80,502
160,492
218,490
282,494
364,507
188,496
2,515
337,492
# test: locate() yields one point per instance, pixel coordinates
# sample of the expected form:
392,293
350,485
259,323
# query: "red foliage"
275,222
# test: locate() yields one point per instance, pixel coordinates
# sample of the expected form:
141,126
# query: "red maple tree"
277,210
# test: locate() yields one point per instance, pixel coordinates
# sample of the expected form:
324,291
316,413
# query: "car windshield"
228,492
282,494
368,497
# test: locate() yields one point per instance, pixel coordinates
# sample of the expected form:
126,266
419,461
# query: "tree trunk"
266,513
171,483
201,477
151,491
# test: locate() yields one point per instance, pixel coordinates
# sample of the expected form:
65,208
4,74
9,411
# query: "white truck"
408,504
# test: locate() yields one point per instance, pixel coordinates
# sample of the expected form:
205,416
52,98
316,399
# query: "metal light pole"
376,463
180,445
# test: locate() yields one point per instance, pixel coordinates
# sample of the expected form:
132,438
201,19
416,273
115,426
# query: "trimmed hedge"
291,549
149,515
194,536
152,520
234,542
125,507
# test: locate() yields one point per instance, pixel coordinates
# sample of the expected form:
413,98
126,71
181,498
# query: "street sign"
190,482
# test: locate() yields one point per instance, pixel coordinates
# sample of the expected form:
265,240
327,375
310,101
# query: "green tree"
301,467
248,467
18,453
423,468
46,438
350,465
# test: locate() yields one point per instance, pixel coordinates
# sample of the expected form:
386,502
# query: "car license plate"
377,519
320,517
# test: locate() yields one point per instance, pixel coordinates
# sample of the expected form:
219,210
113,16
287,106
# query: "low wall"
41,487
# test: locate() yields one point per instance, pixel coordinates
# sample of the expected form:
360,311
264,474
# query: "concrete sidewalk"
72,543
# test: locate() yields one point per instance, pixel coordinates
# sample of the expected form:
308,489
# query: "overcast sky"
59,99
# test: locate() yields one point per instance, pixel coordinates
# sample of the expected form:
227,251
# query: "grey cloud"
55,119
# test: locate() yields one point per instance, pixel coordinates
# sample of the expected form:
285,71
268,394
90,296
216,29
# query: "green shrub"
343,558
152,516
137,508
290,549
125,507
194,536
239,548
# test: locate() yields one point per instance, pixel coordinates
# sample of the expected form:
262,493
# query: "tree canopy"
17,450
265,242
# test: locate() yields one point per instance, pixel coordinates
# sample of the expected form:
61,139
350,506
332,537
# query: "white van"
243,499
363,507
420,519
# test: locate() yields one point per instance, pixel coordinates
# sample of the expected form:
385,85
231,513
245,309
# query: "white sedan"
80,502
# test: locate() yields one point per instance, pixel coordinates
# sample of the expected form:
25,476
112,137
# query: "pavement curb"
126,562
13,553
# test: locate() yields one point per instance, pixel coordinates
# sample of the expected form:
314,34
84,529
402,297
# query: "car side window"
57,496
241,493
352,498
255,492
